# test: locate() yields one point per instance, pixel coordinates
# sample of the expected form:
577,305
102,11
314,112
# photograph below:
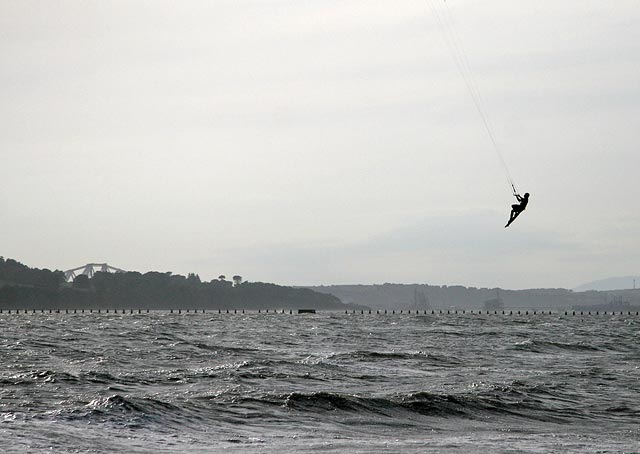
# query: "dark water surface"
319,383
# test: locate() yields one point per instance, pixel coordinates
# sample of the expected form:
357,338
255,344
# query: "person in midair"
518,208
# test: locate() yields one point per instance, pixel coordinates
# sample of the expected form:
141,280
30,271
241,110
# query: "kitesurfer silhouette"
518,208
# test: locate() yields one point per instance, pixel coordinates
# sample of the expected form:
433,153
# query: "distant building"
420,300
494,304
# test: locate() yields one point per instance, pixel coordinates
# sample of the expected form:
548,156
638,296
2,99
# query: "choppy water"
319,383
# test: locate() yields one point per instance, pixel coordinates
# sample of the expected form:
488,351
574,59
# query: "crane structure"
90,269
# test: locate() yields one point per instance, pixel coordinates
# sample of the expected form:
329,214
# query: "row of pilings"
140,311
511,312
291,311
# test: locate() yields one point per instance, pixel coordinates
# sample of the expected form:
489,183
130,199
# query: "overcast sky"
321,141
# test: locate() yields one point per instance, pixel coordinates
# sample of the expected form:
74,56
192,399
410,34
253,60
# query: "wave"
366,355
121,403
537,346
465,406
222,348
37,377
47,376
134,411
514,401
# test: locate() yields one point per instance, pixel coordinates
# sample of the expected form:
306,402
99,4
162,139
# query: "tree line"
22,287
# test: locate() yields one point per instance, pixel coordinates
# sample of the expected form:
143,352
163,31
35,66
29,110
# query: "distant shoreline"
428,297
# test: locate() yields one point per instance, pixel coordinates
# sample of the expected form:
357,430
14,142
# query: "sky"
310,142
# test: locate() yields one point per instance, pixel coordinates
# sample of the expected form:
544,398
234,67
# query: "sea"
327,382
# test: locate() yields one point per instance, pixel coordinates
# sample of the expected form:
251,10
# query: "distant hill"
22,287
612,283
442,297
